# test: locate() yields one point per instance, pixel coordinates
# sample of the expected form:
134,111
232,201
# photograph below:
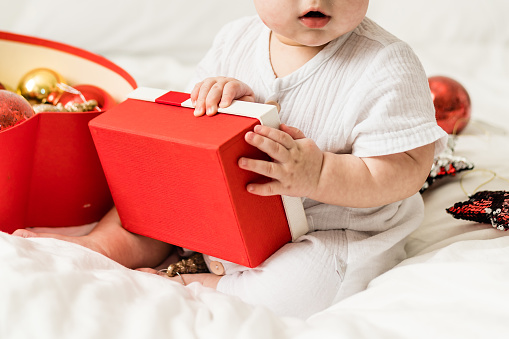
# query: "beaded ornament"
447,164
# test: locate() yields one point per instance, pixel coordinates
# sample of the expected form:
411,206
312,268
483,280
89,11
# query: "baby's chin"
310,37
308,40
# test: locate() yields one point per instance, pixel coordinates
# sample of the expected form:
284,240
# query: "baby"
357,142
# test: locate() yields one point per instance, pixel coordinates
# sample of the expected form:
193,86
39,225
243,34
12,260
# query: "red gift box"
50,173
175,177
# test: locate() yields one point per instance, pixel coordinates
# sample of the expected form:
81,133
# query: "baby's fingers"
213,98
206,96
199,95
195,92
212,93
265,189
266,168
234,89
295,133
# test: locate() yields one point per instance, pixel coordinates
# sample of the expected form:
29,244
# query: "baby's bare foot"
80,240
25,233
110,239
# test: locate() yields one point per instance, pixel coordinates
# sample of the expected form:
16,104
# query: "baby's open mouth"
314,14
314,19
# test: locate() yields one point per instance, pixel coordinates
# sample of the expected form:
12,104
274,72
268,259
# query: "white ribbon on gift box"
268,116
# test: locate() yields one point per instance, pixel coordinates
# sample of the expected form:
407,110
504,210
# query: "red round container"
50,174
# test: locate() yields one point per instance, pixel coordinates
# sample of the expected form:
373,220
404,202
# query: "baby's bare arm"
300,168
367,182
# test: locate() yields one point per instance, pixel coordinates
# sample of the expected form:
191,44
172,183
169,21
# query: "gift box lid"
175,177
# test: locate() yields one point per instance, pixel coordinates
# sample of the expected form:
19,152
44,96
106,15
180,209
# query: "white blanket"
53,289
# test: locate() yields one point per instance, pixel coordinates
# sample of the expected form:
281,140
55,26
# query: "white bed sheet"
54,289
452,285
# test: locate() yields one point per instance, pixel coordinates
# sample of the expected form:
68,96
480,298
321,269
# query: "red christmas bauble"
13,109
88,92
2,86
452,103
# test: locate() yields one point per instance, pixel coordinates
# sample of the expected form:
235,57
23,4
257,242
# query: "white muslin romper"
364,93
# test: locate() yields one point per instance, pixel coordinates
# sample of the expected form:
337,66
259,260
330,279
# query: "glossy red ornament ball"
89,92
452,103
13,109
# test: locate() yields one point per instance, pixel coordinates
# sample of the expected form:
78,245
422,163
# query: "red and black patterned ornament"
488,207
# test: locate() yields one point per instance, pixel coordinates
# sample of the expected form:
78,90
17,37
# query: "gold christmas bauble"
40,83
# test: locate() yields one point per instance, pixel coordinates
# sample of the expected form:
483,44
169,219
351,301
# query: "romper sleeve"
396,113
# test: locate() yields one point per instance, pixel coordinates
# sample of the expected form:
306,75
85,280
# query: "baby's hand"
297,163
216,92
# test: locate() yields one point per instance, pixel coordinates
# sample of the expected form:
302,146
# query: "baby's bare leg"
112,240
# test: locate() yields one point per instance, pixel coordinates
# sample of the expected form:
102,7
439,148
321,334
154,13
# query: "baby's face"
311,22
